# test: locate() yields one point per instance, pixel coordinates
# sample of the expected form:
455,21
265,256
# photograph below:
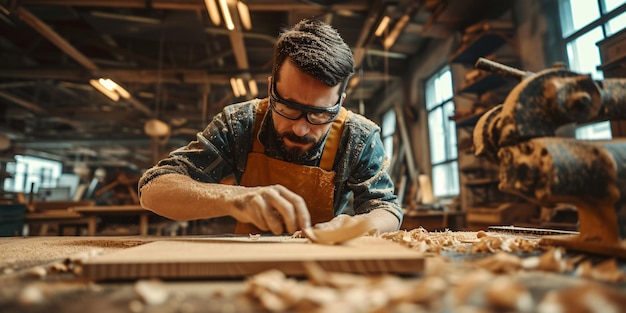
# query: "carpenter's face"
303,108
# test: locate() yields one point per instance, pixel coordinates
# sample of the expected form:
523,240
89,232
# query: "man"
297,156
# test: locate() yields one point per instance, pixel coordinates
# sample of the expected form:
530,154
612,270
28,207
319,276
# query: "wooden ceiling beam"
48,33
253,5
178,76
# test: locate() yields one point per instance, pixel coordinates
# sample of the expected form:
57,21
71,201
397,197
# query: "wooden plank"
241,256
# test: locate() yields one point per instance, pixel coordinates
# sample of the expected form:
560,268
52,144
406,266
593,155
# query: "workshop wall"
539,34
539,45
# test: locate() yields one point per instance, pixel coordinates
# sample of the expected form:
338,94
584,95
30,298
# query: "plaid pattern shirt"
362,183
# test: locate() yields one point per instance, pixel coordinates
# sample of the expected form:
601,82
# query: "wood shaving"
492,285
482,242
607,271
551,261
340,292
152,292
590,297
421,240
500,262
505,294
38,272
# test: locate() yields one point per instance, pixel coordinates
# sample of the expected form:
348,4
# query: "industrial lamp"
110,88
214,13
239,87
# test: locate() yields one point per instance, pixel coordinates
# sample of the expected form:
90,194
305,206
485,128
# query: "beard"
297,154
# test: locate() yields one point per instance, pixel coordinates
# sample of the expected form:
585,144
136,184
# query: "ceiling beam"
253,5
367,31
236,39
46,31
39,110
32,107
176,76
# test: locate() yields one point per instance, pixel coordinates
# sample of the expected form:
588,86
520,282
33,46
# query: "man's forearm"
179,197
384,220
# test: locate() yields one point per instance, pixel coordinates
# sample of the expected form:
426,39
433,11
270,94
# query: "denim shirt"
362,183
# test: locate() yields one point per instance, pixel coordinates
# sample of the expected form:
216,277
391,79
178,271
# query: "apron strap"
332,142
260,114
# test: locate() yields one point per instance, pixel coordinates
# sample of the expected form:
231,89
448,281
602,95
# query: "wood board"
228,257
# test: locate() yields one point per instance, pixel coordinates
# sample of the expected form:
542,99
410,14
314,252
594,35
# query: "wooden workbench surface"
452,279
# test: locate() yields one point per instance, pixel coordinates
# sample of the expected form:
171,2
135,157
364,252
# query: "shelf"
467,120
465,146
482,182
486,82
472,168
480,46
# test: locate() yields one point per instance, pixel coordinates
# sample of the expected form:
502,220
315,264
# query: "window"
388,129
27,171
584,23
595,131
442,134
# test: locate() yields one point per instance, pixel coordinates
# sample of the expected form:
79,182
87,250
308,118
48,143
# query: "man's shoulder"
359,123
247,108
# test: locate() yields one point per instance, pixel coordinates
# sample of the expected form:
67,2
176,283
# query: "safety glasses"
294,111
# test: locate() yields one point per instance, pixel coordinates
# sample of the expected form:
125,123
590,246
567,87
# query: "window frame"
449,163
601,22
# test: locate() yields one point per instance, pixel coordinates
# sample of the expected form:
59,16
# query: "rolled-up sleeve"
216,152
370,181
363,183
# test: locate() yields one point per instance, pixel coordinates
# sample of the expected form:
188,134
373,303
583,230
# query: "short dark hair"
316,49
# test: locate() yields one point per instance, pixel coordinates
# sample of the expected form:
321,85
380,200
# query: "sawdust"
25,252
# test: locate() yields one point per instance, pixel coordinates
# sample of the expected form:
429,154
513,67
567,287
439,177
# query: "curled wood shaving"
152,292
505,294
500,262
424,241
495,293
590,297
607,271
340,292
551,261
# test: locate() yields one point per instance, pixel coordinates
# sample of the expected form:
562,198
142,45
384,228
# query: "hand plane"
520,136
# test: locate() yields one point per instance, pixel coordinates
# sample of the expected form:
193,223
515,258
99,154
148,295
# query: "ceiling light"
227,19
109,93
233,86
214,14
156,128
391,39
382,26
241,87
254,90
244,15
115,87
110,88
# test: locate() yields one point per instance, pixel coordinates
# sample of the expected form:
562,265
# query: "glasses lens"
286,110
294,111
320,117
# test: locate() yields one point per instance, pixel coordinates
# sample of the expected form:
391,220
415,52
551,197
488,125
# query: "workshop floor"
37,274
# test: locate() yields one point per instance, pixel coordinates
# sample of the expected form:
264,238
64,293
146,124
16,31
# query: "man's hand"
274,208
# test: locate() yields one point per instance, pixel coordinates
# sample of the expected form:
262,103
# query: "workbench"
93,213
23,287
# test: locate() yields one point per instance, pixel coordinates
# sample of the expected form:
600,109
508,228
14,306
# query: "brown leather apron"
315,184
